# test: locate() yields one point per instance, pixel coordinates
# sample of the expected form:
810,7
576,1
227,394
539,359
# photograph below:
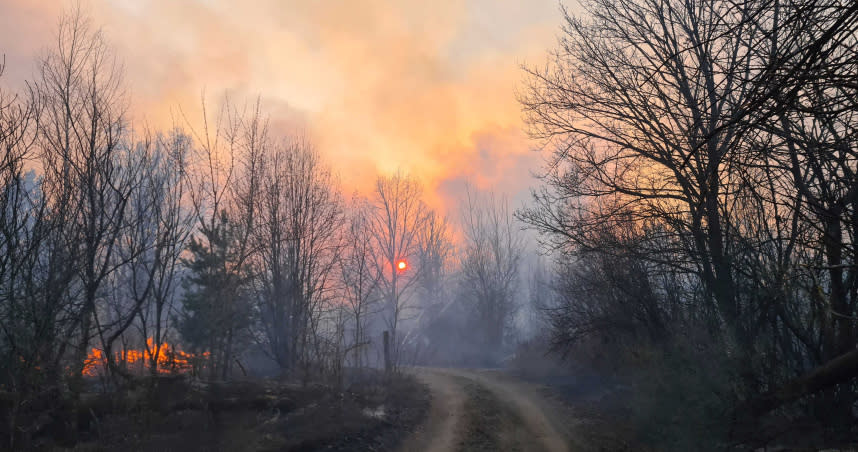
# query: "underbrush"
636,399
672,398
163,414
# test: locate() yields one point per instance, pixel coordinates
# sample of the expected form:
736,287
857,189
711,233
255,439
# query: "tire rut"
485,411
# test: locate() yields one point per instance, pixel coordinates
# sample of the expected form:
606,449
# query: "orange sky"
426,86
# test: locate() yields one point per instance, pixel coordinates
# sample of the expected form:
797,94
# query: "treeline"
703,197
223,239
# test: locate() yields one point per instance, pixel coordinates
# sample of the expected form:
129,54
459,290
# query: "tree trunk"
839,370
388,366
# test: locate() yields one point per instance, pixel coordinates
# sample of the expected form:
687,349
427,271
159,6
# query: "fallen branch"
838,370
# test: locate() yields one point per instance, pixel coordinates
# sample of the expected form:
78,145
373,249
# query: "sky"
428,87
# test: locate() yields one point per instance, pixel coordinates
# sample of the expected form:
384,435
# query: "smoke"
378,85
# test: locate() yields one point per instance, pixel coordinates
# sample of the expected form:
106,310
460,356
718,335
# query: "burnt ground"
262,415
600,406
608,420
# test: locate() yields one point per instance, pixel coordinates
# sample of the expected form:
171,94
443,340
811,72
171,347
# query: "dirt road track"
529,422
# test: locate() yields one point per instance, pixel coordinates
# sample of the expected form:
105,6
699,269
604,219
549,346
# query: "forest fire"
169,359
636,217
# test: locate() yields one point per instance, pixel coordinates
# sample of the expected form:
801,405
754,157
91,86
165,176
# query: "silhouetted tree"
215,306
397,218
490,268
360,285
708,148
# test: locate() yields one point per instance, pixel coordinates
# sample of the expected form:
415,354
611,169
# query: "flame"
170,360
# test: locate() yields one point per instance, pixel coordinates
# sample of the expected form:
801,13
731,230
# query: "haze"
429,226
426,87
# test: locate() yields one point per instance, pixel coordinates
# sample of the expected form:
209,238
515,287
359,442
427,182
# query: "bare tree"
435,258
296,244
360,284
35,280
398,216
435,251
82,135
708,147
641,118
490,266
129,286
811,142
171,229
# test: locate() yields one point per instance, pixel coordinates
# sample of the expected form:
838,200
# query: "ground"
259,415
428,409
484,410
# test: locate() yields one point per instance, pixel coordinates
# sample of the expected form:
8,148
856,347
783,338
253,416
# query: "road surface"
476,410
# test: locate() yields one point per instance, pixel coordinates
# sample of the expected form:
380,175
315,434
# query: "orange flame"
169,359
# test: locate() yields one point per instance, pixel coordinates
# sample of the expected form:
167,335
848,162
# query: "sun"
401,265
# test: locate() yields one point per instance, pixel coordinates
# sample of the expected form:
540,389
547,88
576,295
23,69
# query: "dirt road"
479,410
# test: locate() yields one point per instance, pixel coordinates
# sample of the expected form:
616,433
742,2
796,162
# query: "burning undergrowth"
163,358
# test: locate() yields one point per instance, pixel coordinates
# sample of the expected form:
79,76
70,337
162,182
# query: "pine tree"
215,313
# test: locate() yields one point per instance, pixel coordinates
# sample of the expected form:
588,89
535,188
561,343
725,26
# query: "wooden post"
387,364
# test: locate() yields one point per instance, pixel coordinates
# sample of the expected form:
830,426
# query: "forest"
702,200
214,251
696,216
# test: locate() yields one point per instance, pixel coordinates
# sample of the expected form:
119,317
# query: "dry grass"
261,415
